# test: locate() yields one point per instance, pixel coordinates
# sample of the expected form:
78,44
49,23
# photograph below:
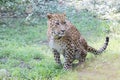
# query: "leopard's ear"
49,15
64,14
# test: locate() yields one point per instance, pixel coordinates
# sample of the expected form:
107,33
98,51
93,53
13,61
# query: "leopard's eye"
64,22
57,23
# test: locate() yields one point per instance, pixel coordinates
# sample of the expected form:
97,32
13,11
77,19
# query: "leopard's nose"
63,30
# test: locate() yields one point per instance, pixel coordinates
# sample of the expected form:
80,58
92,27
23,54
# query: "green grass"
25,55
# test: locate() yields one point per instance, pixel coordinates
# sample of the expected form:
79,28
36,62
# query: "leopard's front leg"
68,59
57,56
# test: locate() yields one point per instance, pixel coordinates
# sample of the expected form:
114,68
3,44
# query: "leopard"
64,38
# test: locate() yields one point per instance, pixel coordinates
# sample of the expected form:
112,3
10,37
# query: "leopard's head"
57,24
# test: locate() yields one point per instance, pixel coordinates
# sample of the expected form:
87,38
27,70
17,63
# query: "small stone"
4,74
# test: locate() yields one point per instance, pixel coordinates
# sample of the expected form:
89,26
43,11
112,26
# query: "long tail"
97,52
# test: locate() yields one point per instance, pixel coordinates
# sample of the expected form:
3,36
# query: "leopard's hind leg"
82,58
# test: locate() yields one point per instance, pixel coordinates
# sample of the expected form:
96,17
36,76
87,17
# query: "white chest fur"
56,44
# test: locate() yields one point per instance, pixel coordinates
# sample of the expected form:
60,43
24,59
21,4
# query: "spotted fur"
65,39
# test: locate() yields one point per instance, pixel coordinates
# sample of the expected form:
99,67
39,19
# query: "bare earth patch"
3,60
24,65
108,70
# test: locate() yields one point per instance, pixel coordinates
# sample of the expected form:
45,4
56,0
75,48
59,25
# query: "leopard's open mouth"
57,36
